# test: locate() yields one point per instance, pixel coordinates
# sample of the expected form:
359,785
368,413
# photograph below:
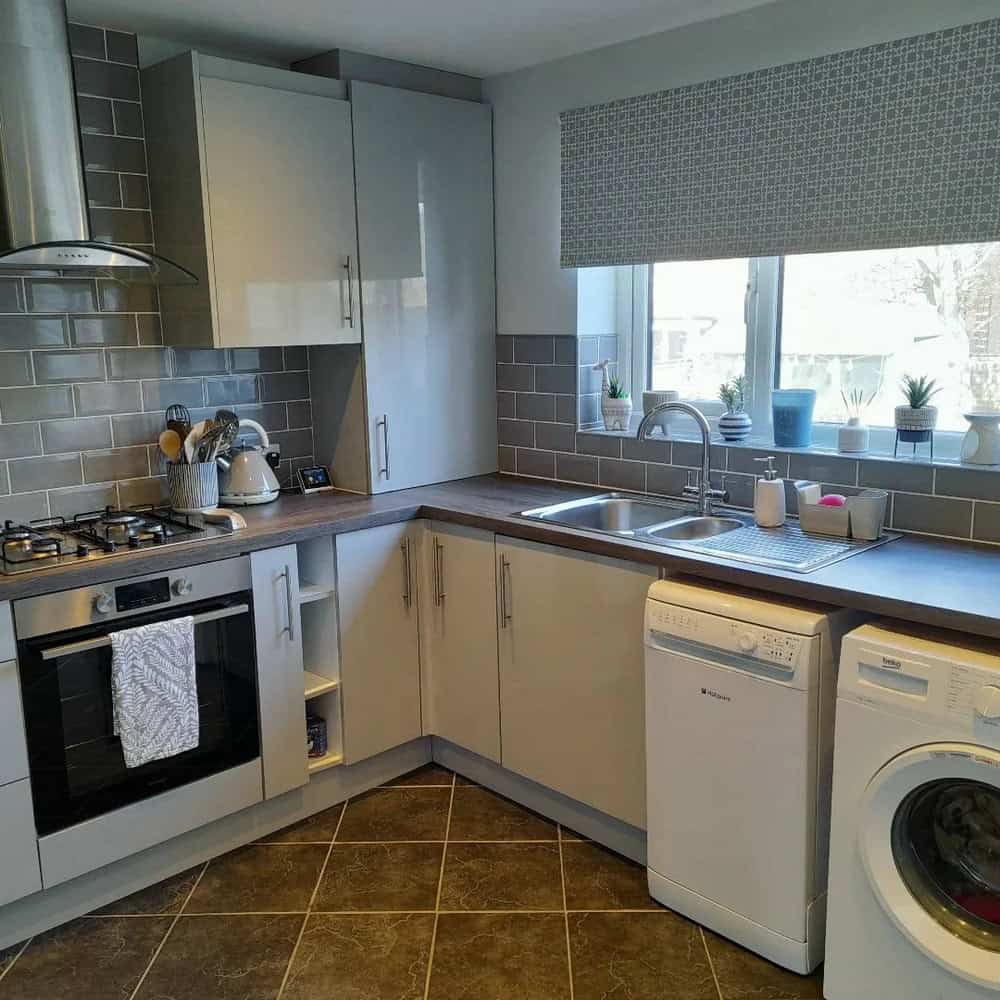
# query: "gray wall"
534,296
83,376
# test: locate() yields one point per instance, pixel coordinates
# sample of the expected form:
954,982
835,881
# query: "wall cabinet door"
459,619
379,655
275,577
280,172
571,674
20,874
425,239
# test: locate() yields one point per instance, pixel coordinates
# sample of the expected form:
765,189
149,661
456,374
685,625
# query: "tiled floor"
428,889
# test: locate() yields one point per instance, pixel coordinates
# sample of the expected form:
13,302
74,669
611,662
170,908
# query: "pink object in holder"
833,500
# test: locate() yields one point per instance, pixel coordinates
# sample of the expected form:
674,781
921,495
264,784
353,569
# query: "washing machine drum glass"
946,843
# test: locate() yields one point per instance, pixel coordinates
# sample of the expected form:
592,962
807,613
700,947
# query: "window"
832,322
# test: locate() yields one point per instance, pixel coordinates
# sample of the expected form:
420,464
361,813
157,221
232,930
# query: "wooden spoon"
170,444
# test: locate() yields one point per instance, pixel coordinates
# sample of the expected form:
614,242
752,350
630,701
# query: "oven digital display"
142,595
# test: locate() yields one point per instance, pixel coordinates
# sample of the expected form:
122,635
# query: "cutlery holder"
193,488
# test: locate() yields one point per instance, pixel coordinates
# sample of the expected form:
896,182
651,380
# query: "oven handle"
105,640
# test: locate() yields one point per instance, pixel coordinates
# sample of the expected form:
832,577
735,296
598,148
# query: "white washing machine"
740,694
914,909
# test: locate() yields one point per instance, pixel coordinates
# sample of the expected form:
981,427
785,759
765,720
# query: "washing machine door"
930,844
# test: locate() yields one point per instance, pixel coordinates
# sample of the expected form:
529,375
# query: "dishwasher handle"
714,656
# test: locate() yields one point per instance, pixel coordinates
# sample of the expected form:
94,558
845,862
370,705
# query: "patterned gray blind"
893,145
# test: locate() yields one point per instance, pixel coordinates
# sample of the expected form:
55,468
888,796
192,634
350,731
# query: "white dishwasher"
740,696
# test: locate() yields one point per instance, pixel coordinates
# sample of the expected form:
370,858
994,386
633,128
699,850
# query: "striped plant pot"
924,418
193,488
735,426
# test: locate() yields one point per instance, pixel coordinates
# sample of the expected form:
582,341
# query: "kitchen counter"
952,585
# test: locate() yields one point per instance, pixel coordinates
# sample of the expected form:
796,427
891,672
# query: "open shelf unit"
321,644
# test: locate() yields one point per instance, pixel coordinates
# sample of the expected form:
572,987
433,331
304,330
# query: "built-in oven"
64,657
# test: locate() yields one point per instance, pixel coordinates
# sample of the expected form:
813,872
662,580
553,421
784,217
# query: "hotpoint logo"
717,695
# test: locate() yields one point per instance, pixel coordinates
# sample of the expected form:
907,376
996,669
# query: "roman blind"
896,144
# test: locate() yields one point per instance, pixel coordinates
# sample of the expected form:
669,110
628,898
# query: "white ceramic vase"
617,413
735,426
981,444
853,436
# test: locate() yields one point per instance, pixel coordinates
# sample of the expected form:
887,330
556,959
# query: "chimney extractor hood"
43,201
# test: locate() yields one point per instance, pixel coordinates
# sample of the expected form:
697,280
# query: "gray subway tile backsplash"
598,444
534,350
577,468
520,433
979,484
86,376
536,406
555,378
932,515
516,378
986,522
895,476
506,404
622,475
555,437
536,463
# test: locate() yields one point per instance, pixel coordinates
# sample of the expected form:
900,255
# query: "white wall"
534,296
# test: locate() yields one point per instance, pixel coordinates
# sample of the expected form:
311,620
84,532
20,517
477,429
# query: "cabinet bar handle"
349,318
505,614
439,593
407,594
289,605
384,424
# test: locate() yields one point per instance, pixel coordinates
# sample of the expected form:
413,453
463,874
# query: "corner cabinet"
425,238
572,675
277,623
377,590
458,629
251,174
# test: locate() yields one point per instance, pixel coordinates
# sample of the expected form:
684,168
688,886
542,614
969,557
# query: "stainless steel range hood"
44,223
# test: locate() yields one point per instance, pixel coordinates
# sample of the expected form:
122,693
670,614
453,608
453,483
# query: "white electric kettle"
245,477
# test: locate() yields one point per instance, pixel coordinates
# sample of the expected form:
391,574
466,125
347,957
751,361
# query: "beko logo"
891,664
717,695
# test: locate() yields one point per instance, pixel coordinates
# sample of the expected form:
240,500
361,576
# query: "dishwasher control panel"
784,650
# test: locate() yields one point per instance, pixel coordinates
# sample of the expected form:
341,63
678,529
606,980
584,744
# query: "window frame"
763,318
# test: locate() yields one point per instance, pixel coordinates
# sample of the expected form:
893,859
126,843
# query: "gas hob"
102,534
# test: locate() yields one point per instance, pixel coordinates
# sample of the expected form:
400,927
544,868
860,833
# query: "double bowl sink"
653,520
726,534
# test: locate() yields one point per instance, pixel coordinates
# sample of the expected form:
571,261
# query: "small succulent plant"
733,393
918,392
616,389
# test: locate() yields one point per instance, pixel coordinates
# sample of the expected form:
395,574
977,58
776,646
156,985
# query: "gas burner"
15,535
119,517
45,546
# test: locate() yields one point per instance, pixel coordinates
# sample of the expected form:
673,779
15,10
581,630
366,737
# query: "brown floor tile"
381,877
396,814
502,877
92,957
642,956
599,879
363,957
429,774
223,958
7,956
502,956
167,896
479,814
259,879
743,975
316,829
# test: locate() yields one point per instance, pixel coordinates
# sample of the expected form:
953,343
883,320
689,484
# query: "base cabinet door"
20,874
380,659
275,575
571,674
459,617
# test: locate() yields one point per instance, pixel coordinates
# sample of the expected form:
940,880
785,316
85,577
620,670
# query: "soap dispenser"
769,497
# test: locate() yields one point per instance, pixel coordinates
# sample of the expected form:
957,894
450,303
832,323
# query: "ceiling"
479,37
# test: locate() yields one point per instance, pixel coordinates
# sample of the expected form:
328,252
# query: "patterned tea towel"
154,689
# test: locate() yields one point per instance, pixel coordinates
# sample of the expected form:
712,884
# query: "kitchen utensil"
191,442
178,418
245,477
171,444
229,428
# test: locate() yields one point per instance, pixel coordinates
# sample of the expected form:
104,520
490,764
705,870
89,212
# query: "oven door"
77,767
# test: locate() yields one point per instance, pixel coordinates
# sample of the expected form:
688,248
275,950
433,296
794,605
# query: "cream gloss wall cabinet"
251,177
458,617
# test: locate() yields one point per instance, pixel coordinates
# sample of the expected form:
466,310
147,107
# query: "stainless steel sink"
690,529
727,535
612,513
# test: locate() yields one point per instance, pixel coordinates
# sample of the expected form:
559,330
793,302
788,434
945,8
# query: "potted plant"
917,416
735,424
616,406
854,436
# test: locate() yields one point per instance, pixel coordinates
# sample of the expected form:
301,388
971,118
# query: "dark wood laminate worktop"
952,585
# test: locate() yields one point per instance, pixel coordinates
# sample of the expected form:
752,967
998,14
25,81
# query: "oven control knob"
747,642
987,703
104,604
182,586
